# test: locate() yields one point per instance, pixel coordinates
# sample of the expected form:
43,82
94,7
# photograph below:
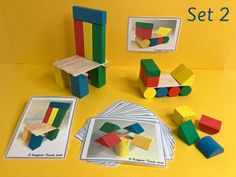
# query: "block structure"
182,114
209,125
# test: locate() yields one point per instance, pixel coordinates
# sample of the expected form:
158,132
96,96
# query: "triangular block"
188,133
135,128
109,127
109,140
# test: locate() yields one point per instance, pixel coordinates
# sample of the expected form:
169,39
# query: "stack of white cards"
124,113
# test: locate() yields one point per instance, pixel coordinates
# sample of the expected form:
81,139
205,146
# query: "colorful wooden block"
99,43
89,15
166,39
60,77
164,31
185,90
143,43
209,125
79,37
173,91
59,118
142,142
47,114
209,147
143,33
148,93
160,40
79,85
150,67
109,127
109,140
26,135
161,92
52,134
135,128
52,116
35,142
122,149
153,42
188,133
182,114
148,81
98,76
59,105
88,40
144,25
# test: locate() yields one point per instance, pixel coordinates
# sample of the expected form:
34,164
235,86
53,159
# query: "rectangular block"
143,33
79,37
59,118
144,25
164,31
47,115
52,134
142,142
35,142
52,116
149,81
186,77
89,15
150,67
26,135
99,43
60,77
59,105
88,40
98,77
79,85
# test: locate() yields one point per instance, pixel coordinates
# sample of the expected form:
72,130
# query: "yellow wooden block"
52,116
142,43
182,114
88,40
186,77
164,31
142,142
148,93
178,70
61,77
122,149
26,135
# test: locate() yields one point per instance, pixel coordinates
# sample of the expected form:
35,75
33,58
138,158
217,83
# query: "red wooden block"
173,91
209,125
79,37
151,81
160,40
143,33
109,140
47,115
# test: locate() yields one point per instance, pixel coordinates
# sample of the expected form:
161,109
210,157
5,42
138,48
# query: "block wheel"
185,90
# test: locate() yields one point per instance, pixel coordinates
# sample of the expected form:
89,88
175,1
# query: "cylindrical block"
122,149
173,91
148,93
185,90
161,92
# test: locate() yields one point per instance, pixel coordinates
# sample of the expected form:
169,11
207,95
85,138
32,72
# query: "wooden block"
59,105
122,149
178,70
99,43
209,147
161,92
173,91
166,39
89,15
47,114
150,67
143,43
52,134
109,127
39,128
143,33
79,37
142,142
35,142
160,40
52,116
88,40
164,31
59,118
209,125
98,76
185,90
148,93
188,133
148,81
166,80
26,135
135,128
79,85
60,77
153,42
182,114
144,25
109,140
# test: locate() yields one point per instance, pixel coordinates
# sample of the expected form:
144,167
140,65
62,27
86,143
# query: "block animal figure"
49,127
90,42
154,84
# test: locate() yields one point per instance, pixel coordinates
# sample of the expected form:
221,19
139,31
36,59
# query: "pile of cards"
126,132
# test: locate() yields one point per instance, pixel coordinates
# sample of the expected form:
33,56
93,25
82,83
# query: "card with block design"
44,128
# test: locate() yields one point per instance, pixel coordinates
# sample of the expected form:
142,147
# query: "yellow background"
35,33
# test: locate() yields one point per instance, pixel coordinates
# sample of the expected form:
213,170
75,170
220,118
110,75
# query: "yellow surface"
26,135
142,142
216,99
122,149
142,43
52,116
179,69
186,77
61,77
164,31
182,114
88,40
147,93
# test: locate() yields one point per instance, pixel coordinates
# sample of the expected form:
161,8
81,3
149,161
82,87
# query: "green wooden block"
150,67
59,118
98,76
52,134
99,43
144,25
166,39
185,90
188,133
109,127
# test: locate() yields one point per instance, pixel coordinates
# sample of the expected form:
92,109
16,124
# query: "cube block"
143,33
109,140
150,67
209,125
149,81
142,142
182,114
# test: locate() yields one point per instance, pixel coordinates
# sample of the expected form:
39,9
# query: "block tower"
90,38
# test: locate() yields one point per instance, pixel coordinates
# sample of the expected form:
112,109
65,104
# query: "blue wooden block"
161,92
59,105
89,15
153,42
35,141
135,128
209,147
79,85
